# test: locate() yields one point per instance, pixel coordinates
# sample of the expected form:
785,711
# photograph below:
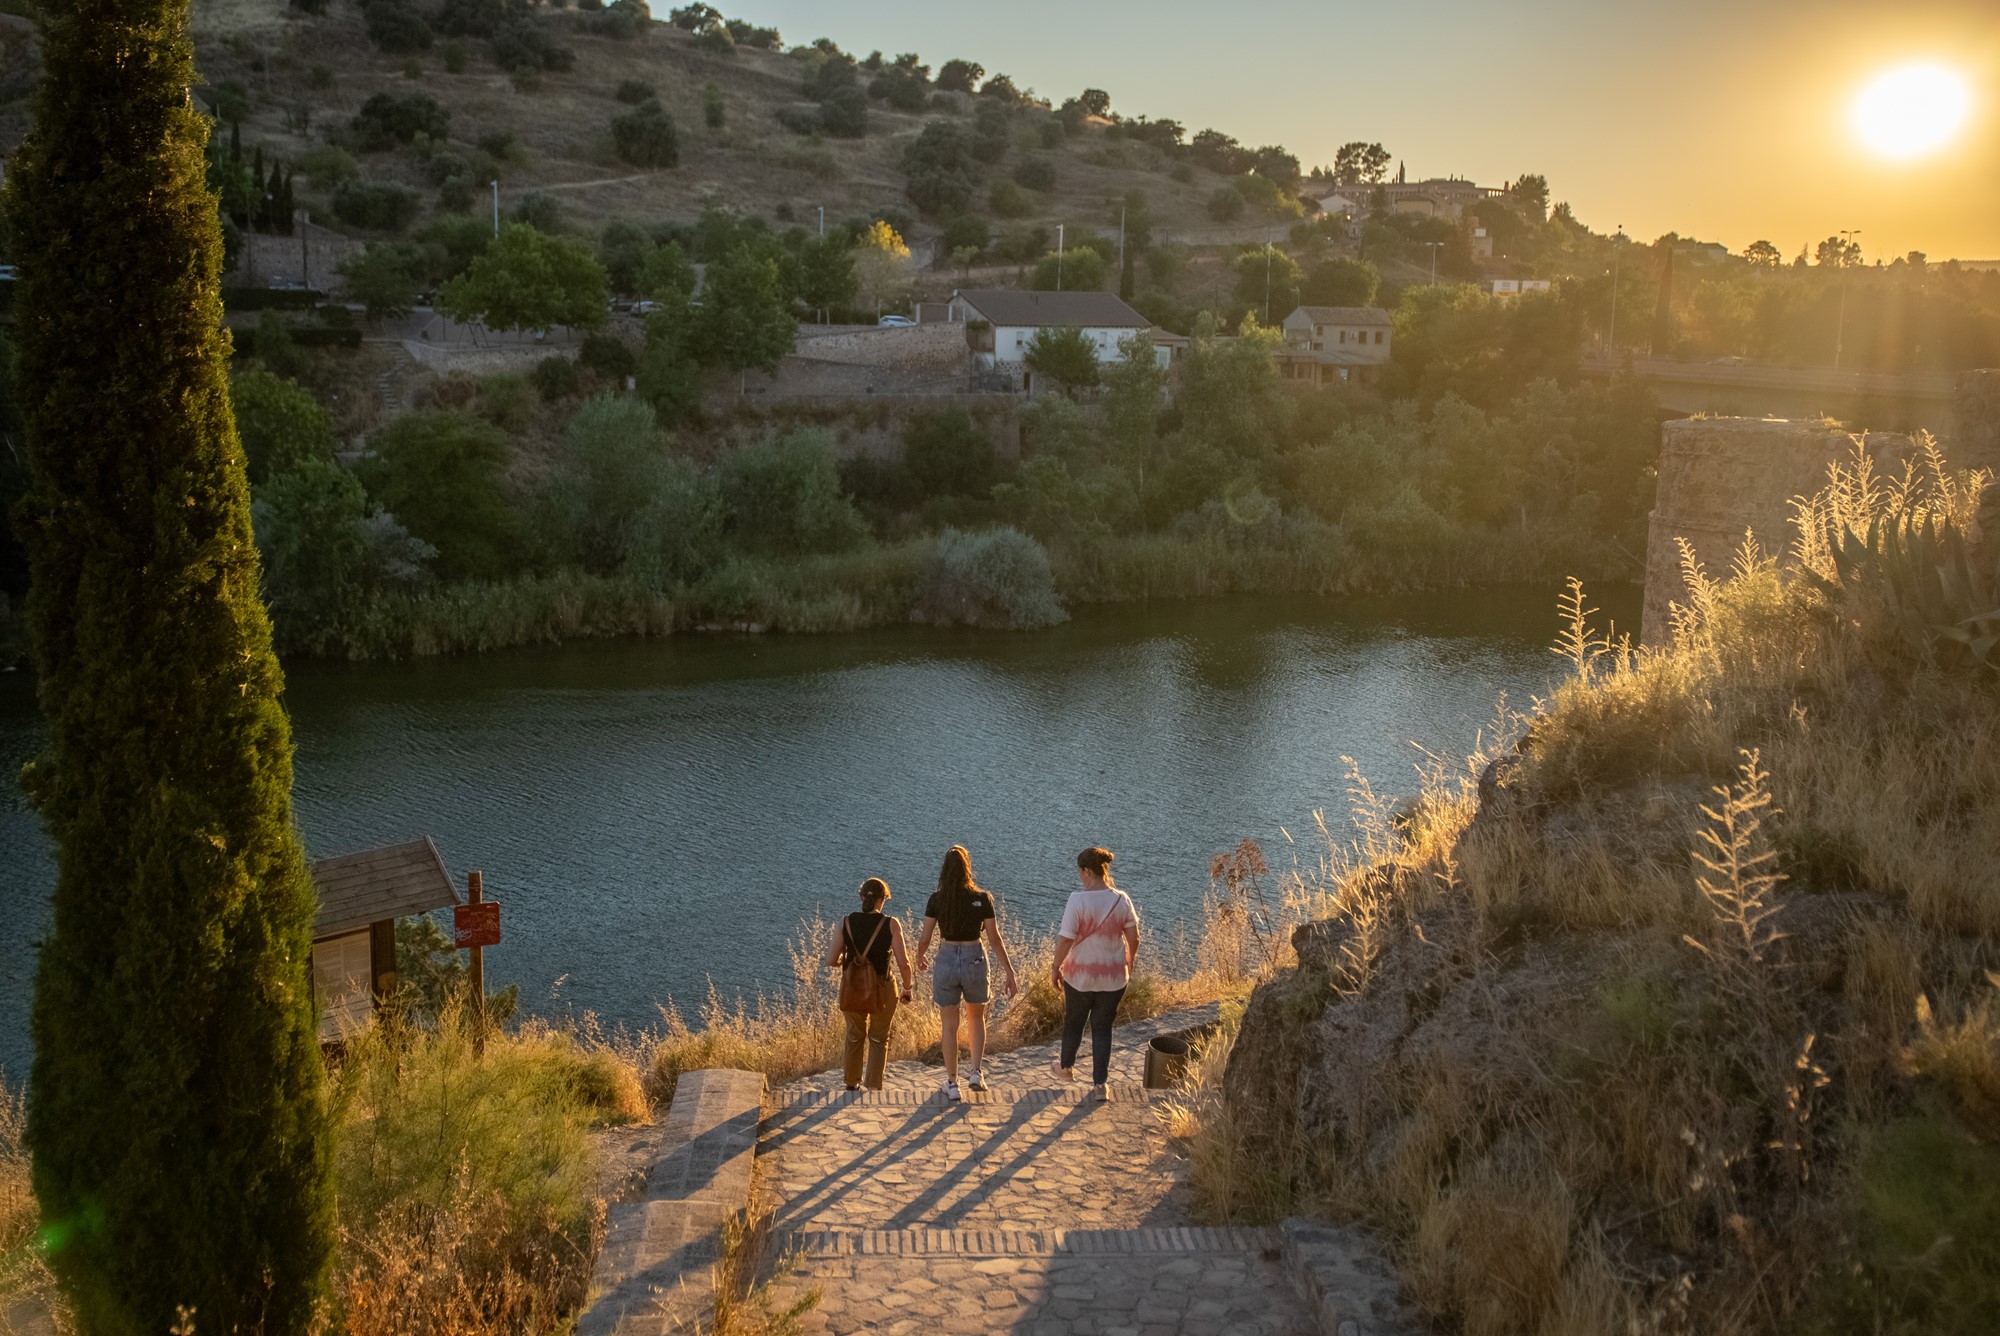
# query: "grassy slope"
1633,1035
752,163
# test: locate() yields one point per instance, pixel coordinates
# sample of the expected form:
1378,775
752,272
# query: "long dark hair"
955,883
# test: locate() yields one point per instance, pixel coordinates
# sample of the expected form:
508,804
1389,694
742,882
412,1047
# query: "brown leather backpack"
861,983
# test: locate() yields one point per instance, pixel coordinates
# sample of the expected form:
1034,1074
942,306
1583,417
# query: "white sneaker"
976,1083
951,1095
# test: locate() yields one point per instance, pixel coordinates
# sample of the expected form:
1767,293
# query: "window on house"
1378,336
1343,336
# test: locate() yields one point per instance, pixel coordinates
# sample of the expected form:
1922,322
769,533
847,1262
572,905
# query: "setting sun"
1912,110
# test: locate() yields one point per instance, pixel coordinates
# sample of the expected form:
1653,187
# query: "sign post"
476,926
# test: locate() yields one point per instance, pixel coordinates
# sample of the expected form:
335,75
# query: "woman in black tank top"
878,938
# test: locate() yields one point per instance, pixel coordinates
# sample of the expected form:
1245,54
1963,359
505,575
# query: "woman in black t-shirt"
960,913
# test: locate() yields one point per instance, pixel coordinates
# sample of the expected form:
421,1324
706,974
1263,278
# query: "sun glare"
1911,110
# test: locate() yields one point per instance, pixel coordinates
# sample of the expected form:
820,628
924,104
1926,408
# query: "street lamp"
1616,251
1434,260
1059,256
1847,236
1267,282
496,208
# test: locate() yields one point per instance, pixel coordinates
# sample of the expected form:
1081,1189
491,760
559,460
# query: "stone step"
1188,1240
1121,1092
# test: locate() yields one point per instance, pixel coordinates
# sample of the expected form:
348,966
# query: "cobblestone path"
1033,1209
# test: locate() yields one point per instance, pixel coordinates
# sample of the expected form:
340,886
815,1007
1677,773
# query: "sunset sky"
1726,121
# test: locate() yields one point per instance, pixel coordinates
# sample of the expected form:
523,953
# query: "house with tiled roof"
1000,323
1336,345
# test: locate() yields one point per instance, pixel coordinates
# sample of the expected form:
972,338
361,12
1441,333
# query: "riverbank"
1681,1012
882,585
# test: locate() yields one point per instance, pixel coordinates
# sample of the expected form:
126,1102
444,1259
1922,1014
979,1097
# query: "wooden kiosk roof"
391,882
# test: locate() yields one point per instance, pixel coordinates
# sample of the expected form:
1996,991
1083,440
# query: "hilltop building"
1000,323
1512,289
1336,345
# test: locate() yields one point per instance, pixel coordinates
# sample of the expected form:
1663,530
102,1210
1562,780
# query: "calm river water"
656,815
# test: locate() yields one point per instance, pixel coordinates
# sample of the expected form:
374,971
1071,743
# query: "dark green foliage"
327,556
620,502
441,474
623,247
541,212
523,45
474,18
1000,578
634,91
1036,173
904,85
388,119
528,279
714,112
1225,204
844,113
608,355
178,1126
396,26
991,132
622,19
943,173
384,279
960,76
1341,282
716,41
968,231
499,143
824,275
1078,270
695,18
375,205
754,37
1008,200
782,497
745,319
281,424
1066,355
1001,89
646,137
947,454
556,377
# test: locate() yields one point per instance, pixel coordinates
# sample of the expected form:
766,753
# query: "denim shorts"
959,974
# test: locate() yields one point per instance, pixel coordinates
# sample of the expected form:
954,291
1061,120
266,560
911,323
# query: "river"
655,815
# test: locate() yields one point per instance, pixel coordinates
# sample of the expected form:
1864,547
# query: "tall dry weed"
28,1291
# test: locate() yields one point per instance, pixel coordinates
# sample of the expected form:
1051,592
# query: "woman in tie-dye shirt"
1095,948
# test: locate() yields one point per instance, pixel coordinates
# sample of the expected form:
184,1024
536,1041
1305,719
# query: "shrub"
507,401
454,58
280,423
947,454
555,378
782,496
1225,204
1078,270
967,231
800,120
634,91
1008,200
396,27
646,136
609,356
713,110
541,212
998,578
326,555
524,46
623,19
388,119
1036,173
376,205
942,173
328,165
499,143
716,41
844,113
620,502
442,474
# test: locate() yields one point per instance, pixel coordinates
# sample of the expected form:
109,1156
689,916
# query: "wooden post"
475,893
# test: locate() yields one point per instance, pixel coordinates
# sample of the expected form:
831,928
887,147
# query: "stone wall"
933,348
1719,477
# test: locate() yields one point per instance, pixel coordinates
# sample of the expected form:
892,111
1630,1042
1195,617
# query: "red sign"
476,925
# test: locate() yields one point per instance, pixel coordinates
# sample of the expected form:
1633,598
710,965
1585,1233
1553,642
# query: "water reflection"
656,815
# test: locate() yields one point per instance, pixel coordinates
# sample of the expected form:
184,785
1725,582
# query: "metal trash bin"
1166,1062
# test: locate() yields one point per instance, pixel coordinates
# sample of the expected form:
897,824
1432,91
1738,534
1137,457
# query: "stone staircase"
1034,1208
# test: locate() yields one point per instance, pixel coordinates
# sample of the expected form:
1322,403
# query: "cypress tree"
179,1122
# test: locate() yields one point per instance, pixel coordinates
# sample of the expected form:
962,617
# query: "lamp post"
496,208
1847,236
1616,252
1267,282
1434,260
1059,256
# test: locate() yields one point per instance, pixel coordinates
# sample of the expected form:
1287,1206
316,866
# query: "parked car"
1727,361
895,321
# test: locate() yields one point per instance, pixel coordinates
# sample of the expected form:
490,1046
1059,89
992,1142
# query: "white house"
1513,289
1002,322
1336,345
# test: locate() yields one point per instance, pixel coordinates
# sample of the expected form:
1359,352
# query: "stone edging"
1125,1092
1027,1242
1344,1279
653,1275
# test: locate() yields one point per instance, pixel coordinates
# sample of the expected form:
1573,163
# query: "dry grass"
1686,1026
28,1294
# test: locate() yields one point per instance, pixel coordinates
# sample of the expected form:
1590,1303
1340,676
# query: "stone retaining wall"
936,347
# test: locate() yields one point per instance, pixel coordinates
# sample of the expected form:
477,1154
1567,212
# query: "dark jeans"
1101,1009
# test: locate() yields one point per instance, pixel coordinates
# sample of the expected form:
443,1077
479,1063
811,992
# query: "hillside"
306,77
